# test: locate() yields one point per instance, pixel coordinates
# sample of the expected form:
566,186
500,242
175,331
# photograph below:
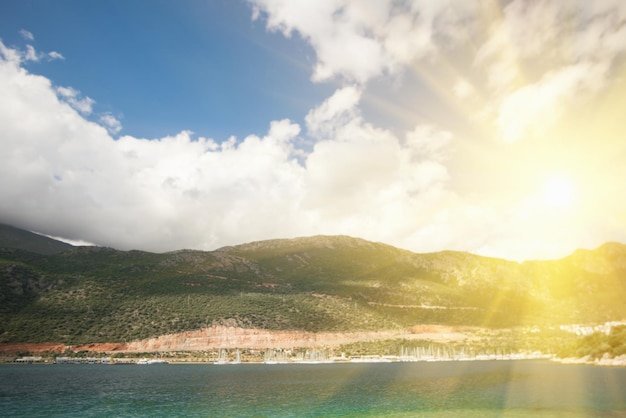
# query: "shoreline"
234,345
605,361
370,359
356,360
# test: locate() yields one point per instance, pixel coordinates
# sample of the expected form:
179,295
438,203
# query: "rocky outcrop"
233,337
218,337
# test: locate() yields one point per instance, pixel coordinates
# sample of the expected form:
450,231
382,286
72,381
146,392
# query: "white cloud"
161,194
111,123
364,181
462,89
73,97
178,191
327,26
53,55
27,35
10,55
537,65
358,41
31,54
340,107
543,57
533,109
529,72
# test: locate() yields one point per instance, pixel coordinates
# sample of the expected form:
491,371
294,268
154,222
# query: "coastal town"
219,346
222,357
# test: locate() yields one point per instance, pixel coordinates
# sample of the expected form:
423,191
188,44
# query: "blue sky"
162,68
481,126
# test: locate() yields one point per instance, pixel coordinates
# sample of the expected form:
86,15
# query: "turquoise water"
449,389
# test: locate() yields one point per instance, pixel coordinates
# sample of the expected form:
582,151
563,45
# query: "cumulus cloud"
74,180
53,55
111,123
10,55
537,60
335,112
530,52
29,54
530,71
532,109
358,41
73,97
27,35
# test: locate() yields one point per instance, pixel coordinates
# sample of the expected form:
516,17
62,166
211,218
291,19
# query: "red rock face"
234,337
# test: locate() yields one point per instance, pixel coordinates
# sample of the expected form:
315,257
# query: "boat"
370,359
237,358
145,361
222,358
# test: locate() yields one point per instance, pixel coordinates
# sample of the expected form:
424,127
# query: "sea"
518,388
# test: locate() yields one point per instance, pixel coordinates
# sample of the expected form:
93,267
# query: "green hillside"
11,237
324,283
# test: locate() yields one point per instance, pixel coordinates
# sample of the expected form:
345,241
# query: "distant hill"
322,283
11,237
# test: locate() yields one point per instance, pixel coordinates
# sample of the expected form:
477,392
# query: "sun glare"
559,192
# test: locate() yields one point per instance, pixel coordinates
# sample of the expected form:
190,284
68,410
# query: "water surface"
447,389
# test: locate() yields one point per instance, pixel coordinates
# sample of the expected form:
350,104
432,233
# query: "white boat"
222,358
272,357
145,361
237,358
370,359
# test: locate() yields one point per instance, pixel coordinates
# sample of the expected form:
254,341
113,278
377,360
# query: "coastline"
234,345
605,361
224,337
262,359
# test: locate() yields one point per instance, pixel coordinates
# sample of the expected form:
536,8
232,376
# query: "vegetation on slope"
11,237
93,294
597,345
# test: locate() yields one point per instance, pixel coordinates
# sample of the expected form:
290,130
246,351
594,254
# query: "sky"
493,127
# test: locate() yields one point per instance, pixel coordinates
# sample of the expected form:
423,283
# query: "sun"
559,192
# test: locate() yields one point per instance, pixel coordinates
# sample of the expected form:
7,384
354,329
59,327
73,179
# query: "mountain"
11,237
314,284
